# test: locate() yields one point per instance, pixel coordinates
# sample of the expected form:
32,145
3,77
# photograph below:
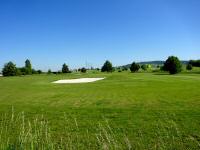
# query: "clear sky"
51,32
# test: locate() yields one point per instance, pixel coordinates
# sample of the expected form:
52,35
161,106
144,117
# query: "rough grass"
124,111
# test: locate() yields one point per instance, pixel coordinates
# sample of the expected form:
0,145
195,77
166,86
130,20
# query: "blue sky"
51,32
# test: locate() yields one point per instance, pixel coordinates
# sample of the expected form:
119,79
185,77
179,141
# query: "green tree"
39,71
195,63
83,70
9,69
28,66
144,67
107,67
173,65
49,71
134,67
65,68
189,67
34,71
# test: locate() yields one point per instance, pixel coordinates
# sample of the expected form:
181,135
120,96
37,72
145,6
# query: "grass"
123,111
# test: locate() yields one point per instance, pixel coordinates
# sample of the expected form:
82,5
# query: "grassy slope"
135,105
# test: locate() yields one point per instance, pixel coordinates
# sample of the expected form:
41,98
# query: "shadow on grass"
161,73
166,73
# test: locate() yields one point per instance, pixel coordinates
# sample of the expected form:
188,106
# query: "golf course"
123,111
99,75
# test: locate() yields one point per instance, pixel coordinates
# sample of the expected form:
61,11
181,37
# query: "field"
123,111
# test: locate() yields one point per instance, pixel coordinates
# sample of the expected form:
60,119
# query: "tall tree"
65,68
173,65
134,67
107,67
9,69
28,66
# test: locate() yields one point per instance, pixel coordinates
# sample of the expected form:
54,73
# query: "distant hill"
153,63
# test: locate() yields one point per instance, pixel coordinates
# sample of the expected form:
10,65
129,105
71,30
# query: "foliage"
39,71
65,69
18,72
189,67
83,70
107,67
28,66
124,68
149,66
9,69
134,67
144,67
34,71
195,63
49,71
173,65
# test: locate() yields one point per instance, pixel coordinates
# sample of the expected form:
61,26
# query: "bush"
39,71
18,72
189,67
144,67
134,67
34,71
49,71
173,65
83,70
65,69
195,63
107,67
28,67
9,69
124,68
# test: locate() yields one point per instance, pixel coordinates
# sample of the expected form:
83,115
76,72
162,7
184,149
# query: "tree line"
10,69
172,65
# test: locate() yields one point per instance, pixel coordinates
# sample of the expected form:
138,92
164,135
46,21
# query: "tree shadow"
161,74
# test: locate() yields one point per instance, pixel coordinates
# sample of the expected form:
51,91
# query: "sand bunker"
81,80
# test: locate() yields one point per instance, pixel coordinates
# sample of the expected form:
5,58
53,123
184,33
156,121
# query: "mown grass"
124,111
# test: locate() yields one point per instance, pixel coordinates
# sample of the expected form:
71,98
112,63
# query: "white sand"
81,80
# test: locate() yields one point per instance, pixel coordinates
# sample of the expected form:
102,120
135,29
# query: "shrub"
49,71
34,71
107,67
65,69
23,70
162,68
28,67
59,72
134,67
144,67
39,71
18,72
9,69
173,65
83,70
189,67
195,63
124,68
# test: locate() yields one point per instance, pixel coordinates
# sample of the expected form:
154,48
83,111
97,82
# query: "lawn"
123,111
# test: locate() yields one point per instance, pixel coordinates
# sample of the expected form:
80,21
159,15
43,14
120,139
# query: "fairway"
143,110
